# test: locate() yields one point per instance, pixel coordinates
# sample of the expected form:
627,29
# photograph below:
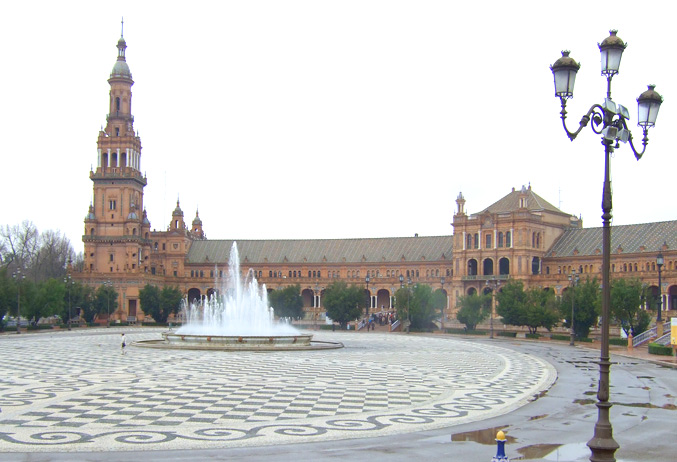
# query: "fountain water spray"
238,307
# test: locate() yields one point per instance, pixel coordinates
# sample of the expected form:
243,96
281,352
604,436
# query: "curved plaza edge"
96,399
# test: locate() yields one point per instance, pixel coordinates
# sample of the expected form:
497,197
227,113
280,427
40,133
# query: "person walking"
123,344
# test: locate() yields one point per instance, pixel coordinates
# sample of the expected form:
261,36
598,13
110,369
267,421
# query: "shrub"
40,327
657,349
618,341
455,330
536,336
506,334
560,337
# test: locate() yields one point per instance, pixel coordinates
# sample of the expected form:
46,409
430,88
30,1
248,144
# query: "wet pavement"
553,427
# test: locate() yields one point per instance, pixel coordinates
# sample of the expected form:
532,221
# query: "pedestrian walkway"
74,391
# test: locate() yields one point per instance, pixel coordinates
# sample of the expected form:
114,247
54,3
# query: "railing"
648,335
644,337
664,340
478,277
395,325
361,324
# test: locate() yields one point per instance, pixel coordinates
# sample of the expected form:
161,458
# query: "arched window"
468,244
91,232
476,240
508,239
117,104
500,239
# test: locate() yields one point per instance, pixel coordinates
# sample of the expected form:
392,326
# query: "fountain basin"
238,342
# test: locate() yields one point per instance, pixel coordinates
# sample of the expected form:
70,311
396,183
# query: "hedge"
618,341
560,337
454,330
532,336
506,334
40,327
658,349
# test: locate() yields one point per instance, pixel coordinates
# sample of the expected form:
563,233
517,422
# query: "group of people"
382,319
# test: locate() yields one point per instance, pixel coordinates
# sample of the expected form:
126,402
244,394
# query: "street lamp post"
659,321
366,279
109,286
493,284
444,309
573,280
18,277
609,120
69,282
408,322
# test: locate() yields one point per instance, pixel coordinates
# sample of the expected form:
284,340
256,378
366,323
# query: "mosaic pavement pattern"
74,391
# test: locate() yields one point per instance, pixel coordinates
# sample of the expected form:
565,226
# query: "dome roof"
90,214
177,211
121,69
132,216
197,220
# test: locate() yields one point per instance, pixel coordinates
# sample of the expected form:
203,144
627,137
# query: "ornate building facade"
521,236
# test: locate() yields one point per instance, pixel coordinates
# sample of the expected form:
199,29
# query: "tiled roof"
390,250
647,237
510,203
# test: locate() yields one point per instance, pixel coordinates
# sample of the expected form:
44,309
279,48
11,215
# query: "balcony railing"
484,277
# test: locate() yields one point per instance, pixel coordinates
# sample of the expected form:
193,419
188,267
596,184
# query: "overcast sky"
330,119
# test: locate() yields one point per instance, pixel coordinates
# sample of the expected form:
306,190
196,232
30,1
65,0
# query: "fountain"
236,317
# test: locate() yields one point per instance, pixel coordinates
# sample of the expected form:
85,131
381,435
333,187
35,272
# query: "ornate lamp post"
659,321
109,287
18,277
408,321
368,295
444,309
493,285
609,120
573,280
69,282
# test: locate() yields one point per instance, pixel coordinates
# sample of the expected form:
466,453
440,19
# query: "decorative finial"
122,28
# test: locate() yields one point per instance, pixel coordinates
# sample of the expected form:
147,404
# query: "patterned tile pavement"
74,391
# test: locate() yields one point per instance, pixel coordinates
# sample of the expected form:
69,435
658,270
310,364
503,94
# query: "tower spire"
122,28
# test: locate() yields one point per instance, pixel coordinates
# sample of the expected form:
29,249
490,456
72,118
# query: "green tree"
170,302
511,301
473,309
541,309
149,297
81,301
51,298
440,301
587,305
343,303
6,296
287,302
418,304
105,300
627,296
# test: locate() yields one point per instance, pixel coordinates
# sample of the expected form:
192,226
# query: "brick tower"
117,230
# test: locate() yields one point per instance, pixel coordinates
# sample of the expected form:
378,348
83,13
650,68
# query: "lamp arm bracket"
595,113
645,140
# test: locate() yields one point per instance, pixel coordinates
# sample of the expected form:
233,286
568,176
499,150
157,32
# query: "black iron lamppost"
67,280
444,309
609,120
368,295
573,280
18,277
109,286
408,321
659,322
494,284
